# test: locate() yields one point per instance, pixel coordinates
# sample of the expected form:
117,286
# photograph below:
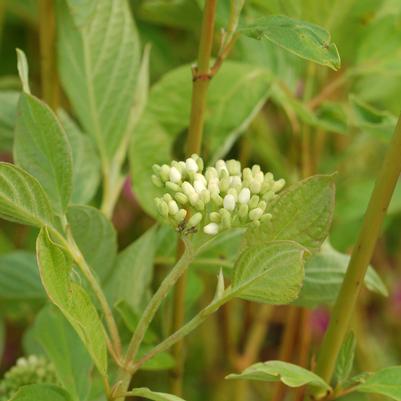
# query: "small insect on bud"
195,219
174,175
157,181
255,214
191,165
173,207
229,202
244,195
211,229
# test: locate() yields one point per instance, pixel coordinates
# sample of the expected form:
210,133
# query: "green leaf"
378,123
82,11
306,40
133,272
42,392
55,270
19,277
302,213
41,147
22,198
235,95
332,117
65,350
345,359
86,169
99,65
161,361
271,273
23,70
8,114
152,395
324,274
385,382
289,374
95,236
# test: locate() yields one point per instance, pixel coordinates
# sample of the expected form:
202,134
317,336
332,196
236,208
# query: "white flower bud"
191,165
255,214
211,229
255,169
187,188
236,182
278,185
244,195
173,207
199,186
195,219
175,175
221,166
193,198
157,181
217,199
229,202
255,186
211,172
247,174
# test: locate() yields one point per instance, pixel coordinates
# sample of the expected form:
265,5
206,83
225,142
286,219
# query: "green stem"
156,301
186,329
48,67
361,256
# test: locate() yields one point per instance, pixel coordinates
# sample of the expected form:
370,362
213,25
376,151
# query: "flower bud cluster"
31,370
218,198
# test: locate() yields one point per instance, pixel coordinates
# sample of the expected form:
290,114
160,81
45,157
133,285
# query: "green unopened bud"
193,198
199,205
165,172
215,217
255,169
254,201
255,186
278,185
224,184
217,199
187,188
167,197
266,217
181,198
233,167
180,215
210,173
173,207
262,205
157,181
172,186
205,196
247,174
269,195
243,211
162,207
225,218
156,169
255,214
195,219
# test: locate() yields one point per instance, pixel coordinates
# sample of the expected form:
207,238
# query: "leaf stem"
360,258
48,66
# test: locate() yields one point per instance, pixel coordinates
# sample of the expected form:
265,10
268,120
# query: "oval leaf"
22,198
41,147
289,374
19,277
55,270
385,382
306,40
303,213
272,273
99,65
